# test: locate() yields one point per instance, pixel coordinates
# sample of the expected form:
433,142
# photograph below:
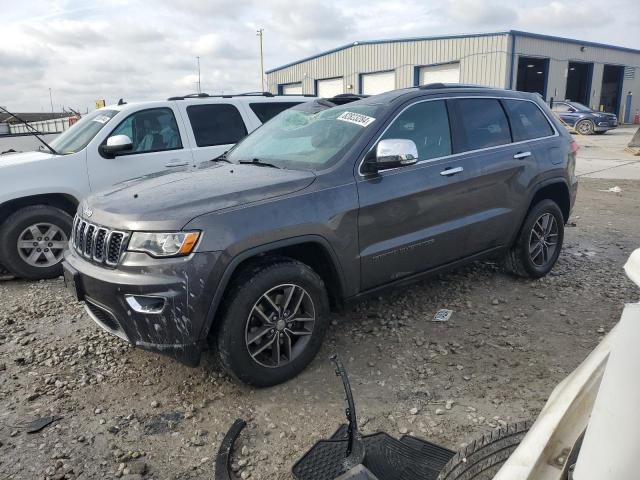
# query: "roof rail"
231,95
434,86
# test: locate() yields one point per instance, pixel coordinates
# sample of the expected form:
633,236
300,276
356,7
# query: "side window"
427,124
152,130
560,107
217,124
527,120
265,111
484,123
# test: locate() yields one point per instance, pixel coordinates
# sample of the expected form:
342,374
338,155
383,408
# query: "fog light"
145,303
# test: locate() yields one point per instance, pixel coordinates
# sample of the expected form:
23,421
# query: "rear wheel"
585,127
539,242
274,321
482,458
32,241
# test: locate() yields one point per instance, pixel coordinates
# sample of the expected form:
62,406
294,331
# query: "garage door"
448,73
374,83
330,87
292,89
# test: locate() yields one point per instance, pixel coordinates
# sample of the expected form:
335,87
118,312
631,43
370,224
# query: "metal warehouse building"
605,77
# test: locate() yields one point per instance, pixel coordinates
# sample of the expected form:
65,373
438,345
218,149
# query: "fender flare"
232,266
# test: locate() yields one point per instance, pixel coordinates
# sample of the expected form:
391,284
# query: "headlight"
163,244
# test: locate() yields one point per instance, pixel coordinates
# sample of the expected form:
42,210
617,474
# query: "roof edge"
515,33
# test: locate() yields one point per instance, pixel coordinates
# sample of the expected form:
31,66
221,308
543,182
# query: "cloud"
141,51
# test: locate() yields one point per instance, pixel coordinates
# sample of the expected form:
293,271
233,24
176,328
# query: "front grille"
96,243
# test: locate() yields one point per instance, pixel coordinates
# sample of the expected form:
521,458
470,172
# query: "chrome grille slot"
97,243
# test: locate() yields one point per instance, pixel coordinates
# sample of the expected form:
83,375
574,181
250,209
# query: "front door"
413,218
158,141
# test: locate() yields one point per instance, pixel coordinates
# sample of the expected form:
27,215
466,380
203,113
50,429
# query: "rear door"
214,128
159,142
503,170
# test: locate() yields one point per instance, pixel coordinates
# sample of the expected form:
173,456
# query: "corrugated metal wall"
561,53
483,60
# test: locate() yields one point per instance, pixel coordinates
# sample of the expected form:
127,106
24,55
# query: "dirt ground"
132,414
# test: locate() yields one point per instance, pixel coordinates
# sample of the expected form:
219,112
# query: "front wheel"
539,242
275,318
585,127
32,241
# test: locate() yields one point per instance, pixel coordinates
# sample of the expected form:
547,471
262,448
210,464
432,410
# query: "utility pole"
260,33
51,100
199,86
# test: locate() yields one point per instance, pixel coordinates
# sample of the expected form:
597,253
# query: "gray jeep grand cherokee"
321,205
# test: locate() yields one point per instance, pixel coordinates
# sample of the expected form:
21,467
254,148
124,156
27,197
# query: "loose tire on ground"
13,229
482,458
245,294
518,260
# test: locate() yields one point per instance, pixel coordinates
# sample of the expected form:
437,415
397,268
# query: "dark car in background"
322,205
583,119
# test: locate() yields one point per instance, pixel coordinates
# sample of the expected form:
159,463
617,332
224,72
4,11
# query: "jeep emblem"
88,212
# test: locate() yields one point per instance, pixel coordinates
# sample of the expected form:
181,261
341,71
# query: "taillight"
574,147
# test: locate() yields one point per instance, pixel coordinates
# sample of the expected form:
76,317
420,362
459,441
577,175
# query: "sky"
146,50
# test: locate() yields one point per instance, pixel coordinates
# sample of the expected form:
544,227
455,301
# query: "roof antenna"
121,102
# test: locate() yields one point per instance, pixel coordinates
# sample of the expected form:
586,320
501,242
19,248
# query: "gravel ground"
132,414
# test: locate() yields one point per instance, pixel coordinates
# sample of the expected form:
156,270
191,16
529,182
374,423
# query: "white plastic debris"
615,189
442,315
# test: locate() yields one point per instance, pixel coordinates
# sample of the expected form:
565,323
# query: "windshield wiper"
32,130
222,158
258,162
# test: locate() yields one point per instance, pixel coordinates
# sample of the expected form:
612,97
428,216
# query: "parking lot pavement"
507,344
603,156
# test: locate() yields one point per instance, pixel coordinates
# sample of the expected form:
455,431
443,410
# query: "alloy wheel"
280,325
543,240
42,244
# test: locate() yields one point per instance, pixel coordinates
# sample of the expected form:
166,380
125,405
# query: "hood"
169,200
10,159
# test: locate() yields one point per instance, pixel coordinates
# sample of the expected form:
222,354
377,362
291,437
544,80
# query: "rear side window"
219,124
483,123
427,124
265,111
527,121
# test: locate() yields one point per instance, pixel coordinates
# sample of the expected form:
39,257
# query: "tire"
22,262
519,258
298,341
482,458
585,127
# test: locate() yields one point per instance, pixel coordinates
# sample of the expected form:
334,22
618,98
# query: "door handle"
521,155
176,163
451,171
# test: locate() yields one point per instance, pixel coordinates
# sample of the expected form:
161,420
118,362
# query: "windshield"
579,107
300,139
81,133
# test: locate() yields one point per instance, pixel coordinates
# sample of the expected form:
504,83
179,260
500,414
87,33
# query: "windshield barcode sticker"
357,118
102,119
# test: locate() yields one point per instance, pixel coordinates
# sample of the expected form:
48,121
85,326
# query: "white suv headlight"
168,244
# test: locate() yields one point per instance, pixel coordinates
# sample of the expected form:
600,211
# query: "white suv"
40,191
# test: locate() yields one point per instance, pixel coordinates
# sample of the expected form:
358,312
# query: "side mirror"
391,153
116,145
571,110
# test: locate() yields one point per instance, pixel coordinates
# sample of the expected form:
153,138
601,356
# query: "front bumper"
184,284
605,125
